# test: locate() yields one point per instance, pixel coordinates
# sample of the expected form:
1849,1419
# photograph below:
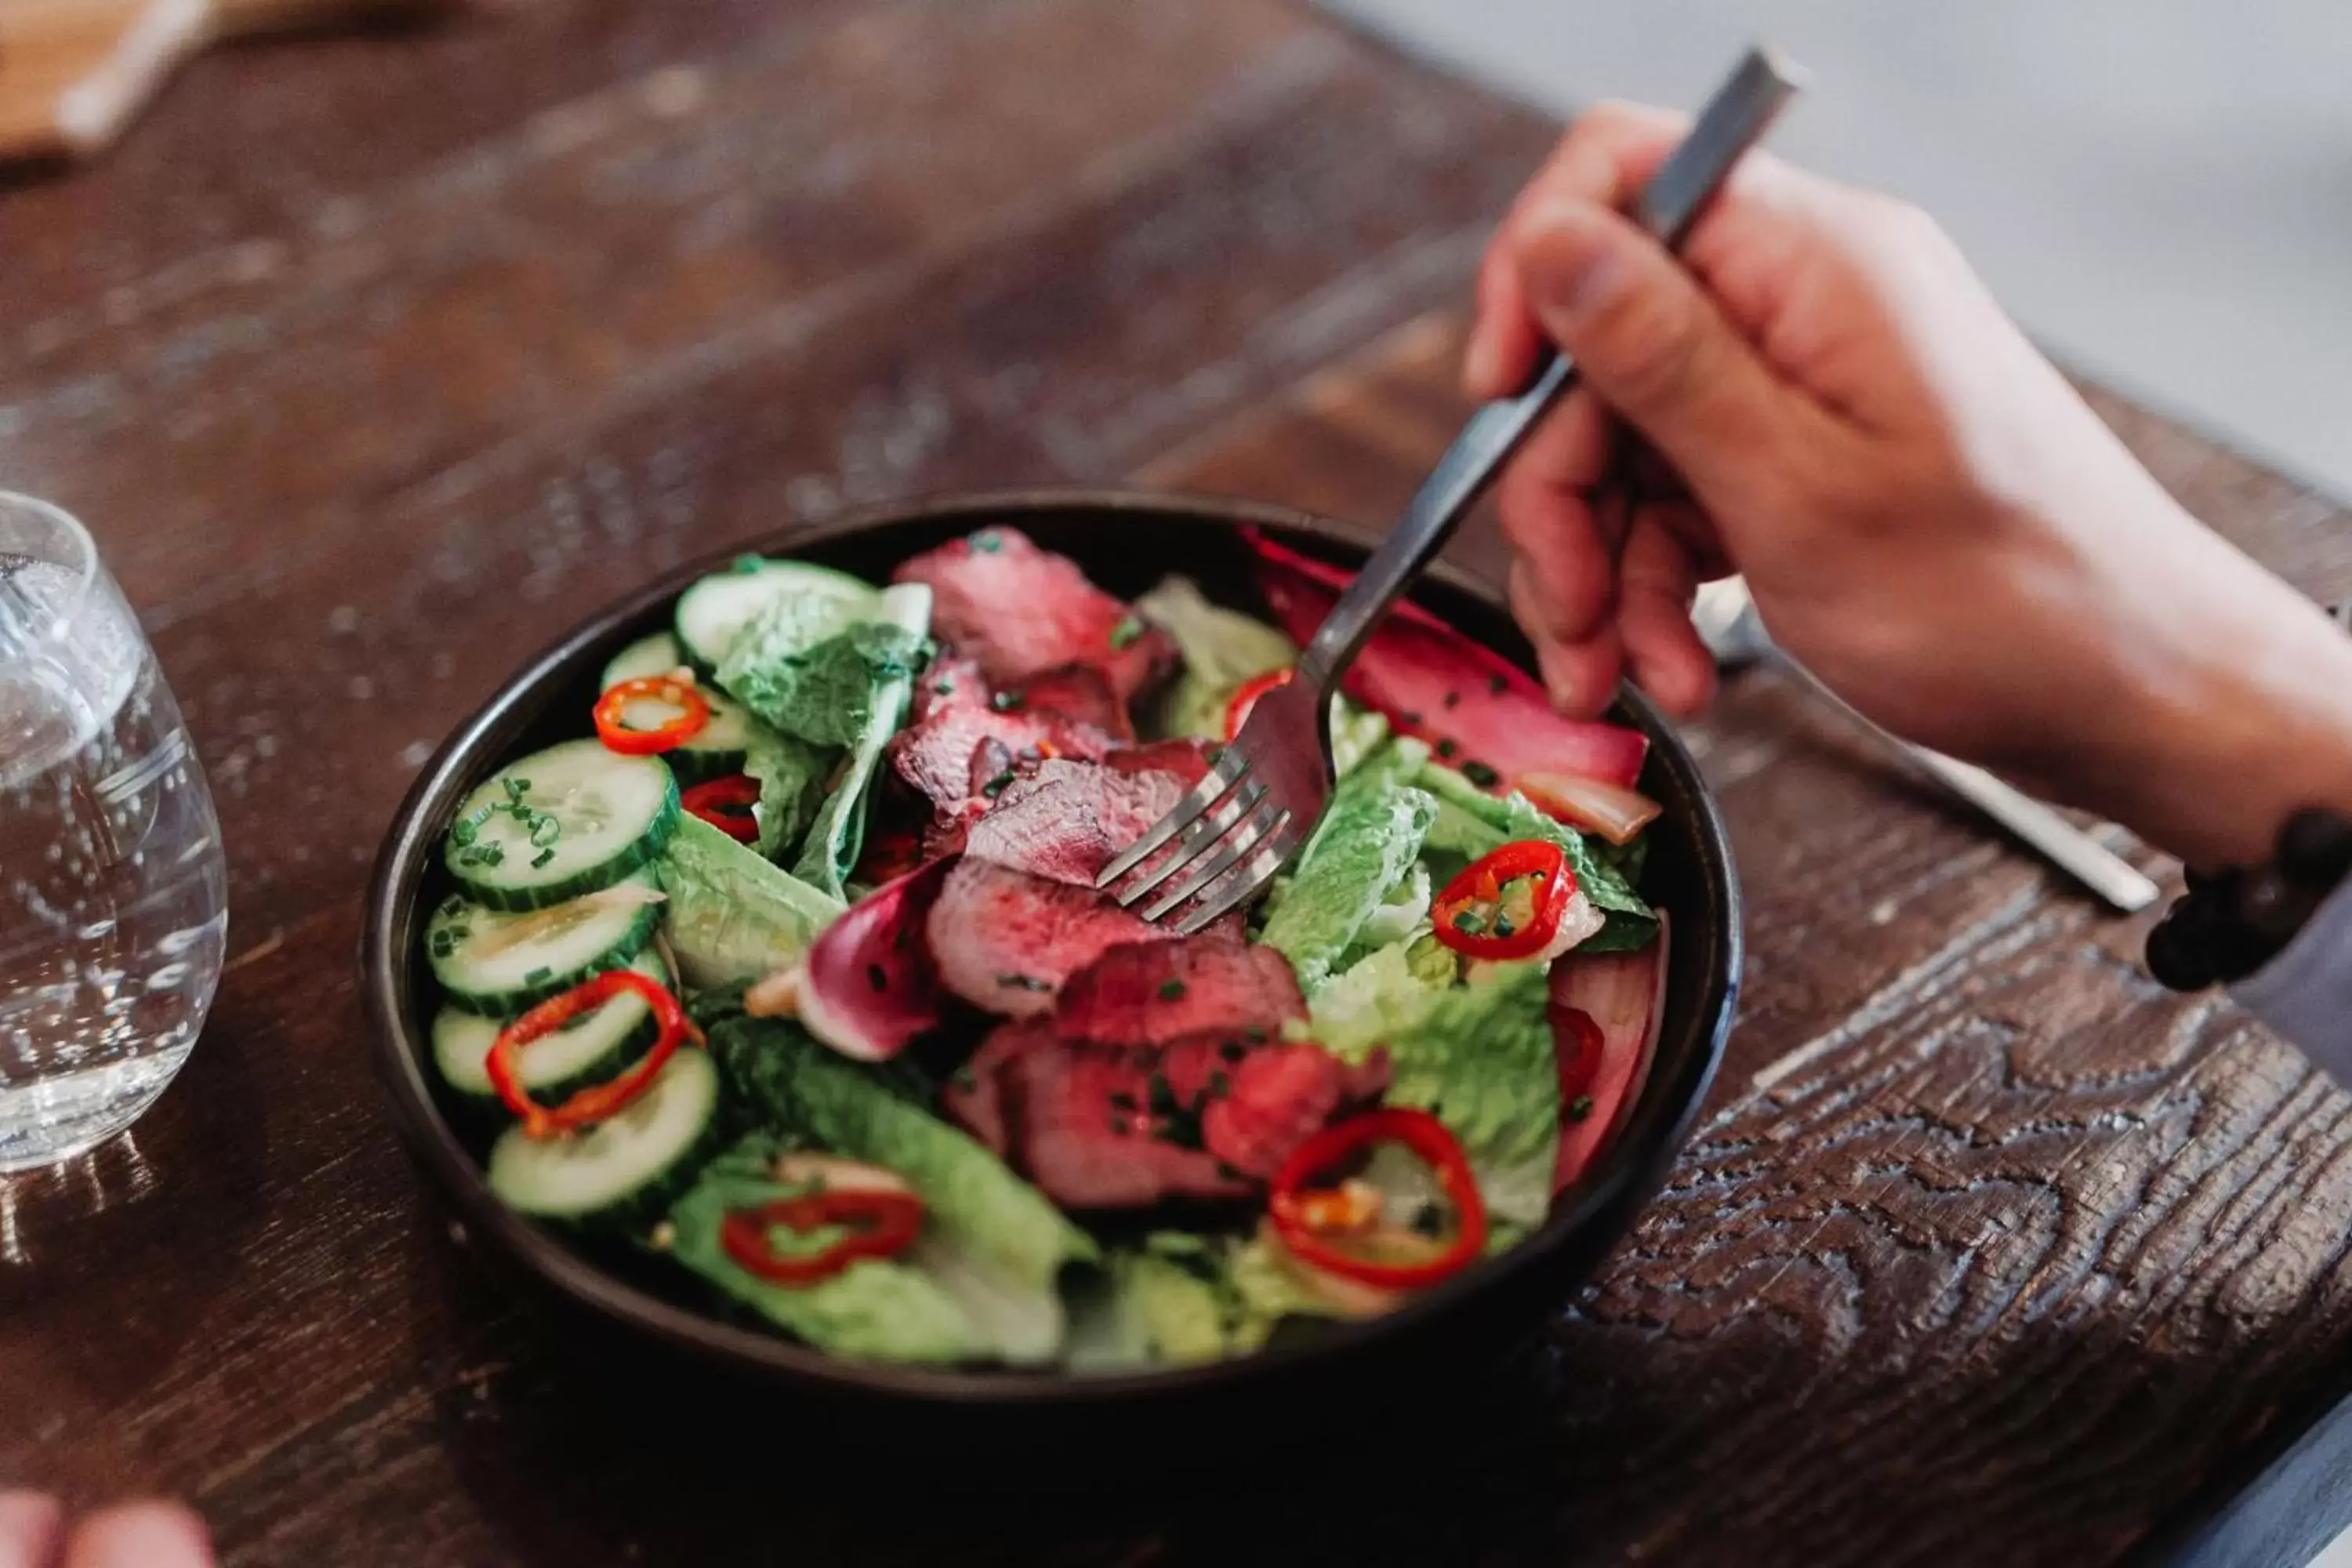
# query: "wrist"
2257,727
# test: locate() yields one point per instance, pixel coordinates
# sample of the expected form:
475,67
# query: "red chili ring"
694,713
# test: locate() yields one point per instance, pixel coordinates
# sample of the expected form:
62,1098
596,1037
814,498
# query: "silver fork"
1238,826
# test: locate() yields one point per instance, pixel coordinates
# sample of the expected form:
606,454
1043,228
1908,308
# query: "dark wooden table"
373,363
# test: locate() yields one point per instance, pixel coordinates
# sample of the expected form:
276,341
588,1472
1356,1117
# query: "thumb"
1653,346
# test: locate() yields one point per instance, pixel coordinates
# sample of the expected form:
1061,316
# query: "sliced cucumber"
623,1174
591,1049
714,610
642,660
560,822
498,964
719,748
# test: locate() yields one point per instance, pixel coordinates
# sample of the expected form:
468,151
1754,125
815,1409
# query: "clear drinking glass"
112,892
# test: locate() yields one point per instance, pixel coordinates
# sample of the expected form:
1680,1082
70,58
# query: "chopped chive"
1503,926
540,860
995,787
1479,773
1007,701
493,854
515,789
1129,628
1171,989
943,688
987,541
1469,922
463,831
877,977
1580,1108
545,831
746,565
536,975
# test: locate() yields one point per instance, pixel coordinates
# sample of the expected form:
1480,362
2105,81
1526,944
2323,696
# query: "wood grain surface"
375,362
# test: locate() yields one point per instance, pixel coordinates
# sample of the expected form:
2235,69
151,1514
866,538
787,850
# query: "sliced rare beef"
1079,692
1148,993
936,756
1115,1127
951,681
1021,611
1280,1096
1004,941
1064,818
974,1096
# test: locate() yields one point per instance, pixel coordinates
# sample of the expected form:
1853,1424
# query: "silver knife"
1728,620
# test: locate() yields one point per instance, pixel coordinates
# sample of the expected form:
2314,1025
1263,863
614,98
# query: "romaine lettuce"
838,836
1479,1056
730,916
791,774
992,1240
1222,648
888,1311
1363,848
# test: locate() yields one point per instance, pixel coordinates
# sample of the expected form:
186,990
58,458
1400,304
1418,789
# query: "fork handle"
1734,120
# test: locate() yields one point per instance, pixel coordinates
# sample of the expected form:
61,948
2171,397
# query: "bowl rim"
399,1053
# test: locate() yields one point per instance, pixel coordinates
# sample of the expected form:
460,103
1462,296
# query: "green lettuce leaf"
1480,1059
838,834
1356,733
992,1238
826,694
730,916
1364,847
889,1309
1222,648
1471,822
790,774
1377,996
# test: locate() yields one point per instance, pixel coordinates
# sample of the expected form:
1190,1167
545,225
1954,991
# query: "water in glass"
112,904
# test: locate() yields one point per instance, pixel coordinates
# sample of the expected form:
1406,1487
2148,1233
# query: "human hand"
1829,402
32,1534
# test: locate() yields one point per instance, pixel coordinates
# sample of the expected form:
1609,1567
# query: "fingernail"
1570,259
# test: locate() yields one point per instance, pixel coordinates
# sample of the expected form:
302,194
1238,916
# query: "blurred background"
2161,189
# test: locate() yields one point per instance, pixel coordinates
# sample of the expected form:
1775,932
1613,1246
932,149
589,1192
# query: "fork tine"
1265,818
1243,882
1231,767
1197,840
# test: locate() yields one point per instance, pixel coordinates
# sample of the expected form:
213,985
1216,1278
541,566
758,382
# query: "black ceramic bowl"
1125,541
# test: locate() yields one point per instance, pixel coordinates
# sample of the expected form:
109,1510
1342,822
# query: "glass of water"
112,893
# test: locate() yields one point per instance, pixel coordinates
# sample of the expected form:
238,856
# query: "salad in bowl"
787,974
